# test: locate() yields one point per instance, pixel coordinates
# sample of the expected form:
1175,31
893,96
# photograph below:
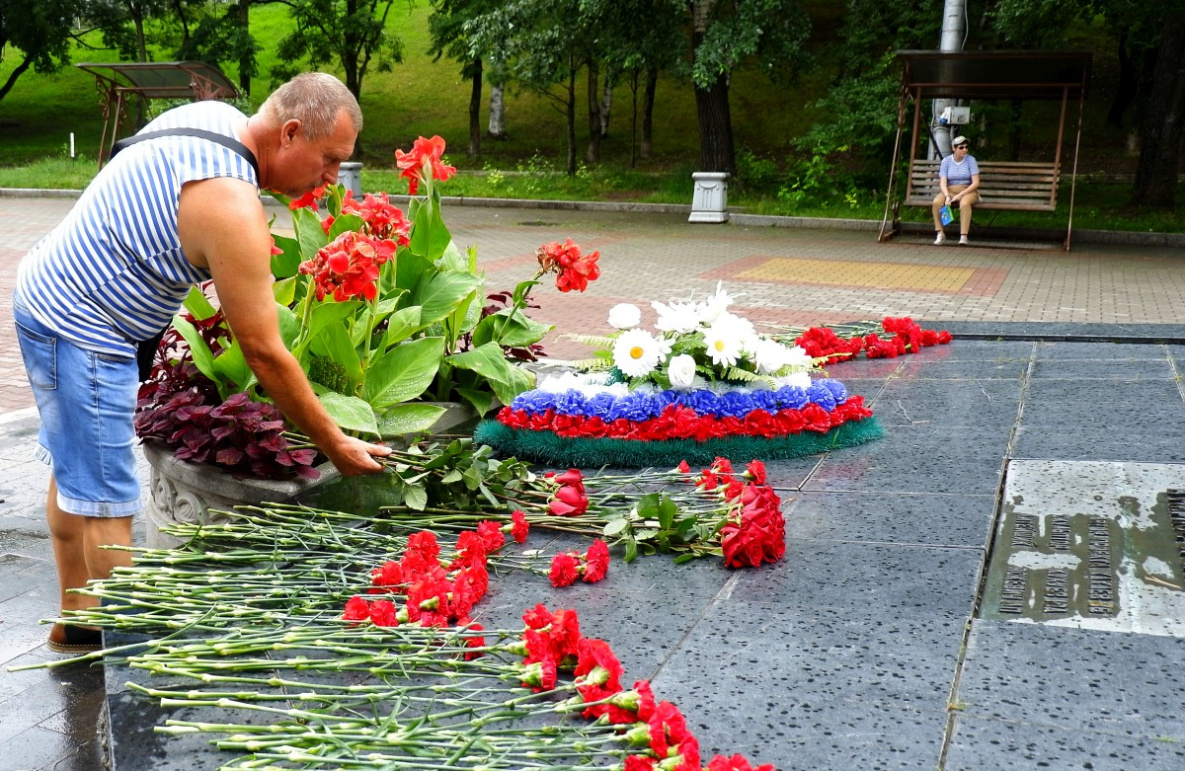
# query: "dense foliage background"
797,97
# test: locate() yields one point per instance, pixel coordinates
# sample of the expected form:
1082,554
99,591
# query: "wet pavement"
869,645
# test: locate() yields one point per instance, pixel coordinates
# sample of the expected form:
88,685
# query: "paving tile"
918,459
985,403
990,745
1092,351
1075,679
939,520
993,369
1128,370
1113,406
35,749
856,581
1081,443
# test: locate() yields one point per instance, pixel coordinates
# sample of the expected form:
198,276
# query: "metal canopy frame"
118,81
1047,75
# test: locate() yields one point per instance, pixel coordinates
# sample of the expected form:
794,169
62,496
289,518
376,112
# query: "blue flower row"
644,405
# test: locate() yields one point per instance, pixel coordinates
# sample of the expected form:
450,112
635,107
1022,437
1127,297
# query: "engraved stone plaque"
1090,544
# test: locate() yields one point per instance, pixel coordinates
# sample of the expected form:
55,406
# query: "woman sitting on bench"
959,178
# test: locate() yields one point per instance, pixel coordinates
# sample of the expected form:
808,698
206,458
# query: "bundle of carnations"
374,686
705,385
827,345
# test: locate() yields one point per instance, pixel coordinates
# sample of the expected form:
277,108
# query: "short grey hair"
315,99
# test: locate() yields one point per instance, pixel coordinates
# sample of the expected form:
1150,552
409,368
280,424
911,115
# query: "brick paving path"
783,276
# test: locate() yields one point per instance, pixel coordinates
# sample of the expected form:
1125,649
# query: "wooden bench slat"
1004,185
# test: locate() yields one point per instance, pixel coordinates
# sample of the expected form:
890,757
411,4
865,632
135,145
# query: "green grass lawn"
421,98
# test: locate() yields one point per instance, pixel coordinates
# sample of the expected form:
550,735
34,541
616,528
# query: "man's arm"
222,227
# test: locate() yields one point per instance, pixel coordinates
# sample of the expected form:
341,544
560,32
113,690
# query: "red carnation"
737,762
596,562
382,613
357,609
563,569
521,527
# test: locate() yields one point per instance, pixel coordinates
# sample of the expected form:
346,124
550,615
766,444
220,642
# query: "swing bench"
1003,185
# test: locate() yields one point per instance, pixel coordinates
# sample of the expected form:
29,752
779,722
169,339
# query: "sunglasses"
961,147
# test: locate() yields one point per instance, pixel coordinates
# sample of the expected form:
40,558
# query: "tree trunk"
634,78
1160,148
716,152
351,47
246,65
571,166
648,112
606,106
715,128
593,154
138,23
475,108
16,73
497,128
1126,94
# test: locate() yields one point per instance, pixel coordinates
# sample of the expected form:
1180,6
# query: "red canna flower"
423,163
348,267
308,200
573,270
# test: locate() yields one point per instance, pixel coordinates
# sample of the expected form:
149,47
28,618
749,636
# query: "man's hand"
354,456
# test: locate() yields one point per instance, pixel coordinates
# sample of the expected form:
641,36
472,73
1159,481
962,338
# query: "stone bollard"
709,203
349,176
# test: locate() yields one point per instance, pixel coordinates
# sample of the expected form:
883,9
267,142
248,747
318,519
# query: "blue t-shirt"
958,173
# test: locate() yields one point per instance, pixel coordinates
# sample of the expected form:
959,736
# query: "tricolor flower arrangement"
703,384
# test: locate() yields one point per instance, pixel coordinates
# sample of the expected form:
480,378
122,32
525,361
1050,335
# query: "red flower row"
681,422
908,337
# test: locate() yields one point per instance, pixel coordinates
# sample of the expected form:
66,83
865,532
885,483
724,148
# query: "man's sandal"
67,638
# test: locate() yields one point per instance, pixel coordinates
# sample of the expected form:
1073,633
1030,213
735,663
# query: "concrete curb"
1117,237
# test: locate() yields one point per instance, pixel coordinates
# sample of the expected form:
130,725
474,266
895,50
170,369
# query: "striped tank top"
112,272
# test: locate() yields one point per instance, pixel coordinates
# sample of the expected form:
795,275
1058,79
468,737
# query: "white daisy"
636,353
678,317
681,371
625,316
723,347
710,309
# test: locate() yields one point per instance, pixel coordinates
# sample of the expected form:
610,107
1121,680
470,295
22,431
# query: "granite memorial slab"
1094,545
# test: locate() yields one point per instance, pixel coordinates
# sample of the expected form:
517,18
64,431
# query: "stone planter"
199,493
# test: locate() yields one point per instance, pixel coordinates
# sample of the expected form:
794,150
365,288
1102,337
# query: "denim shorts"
86,401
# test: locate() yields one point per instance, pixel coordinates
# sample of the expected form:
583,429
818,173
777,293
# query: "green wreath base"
579,452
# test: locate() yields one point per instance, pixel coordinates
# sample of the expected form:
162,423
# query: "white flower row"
727,337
